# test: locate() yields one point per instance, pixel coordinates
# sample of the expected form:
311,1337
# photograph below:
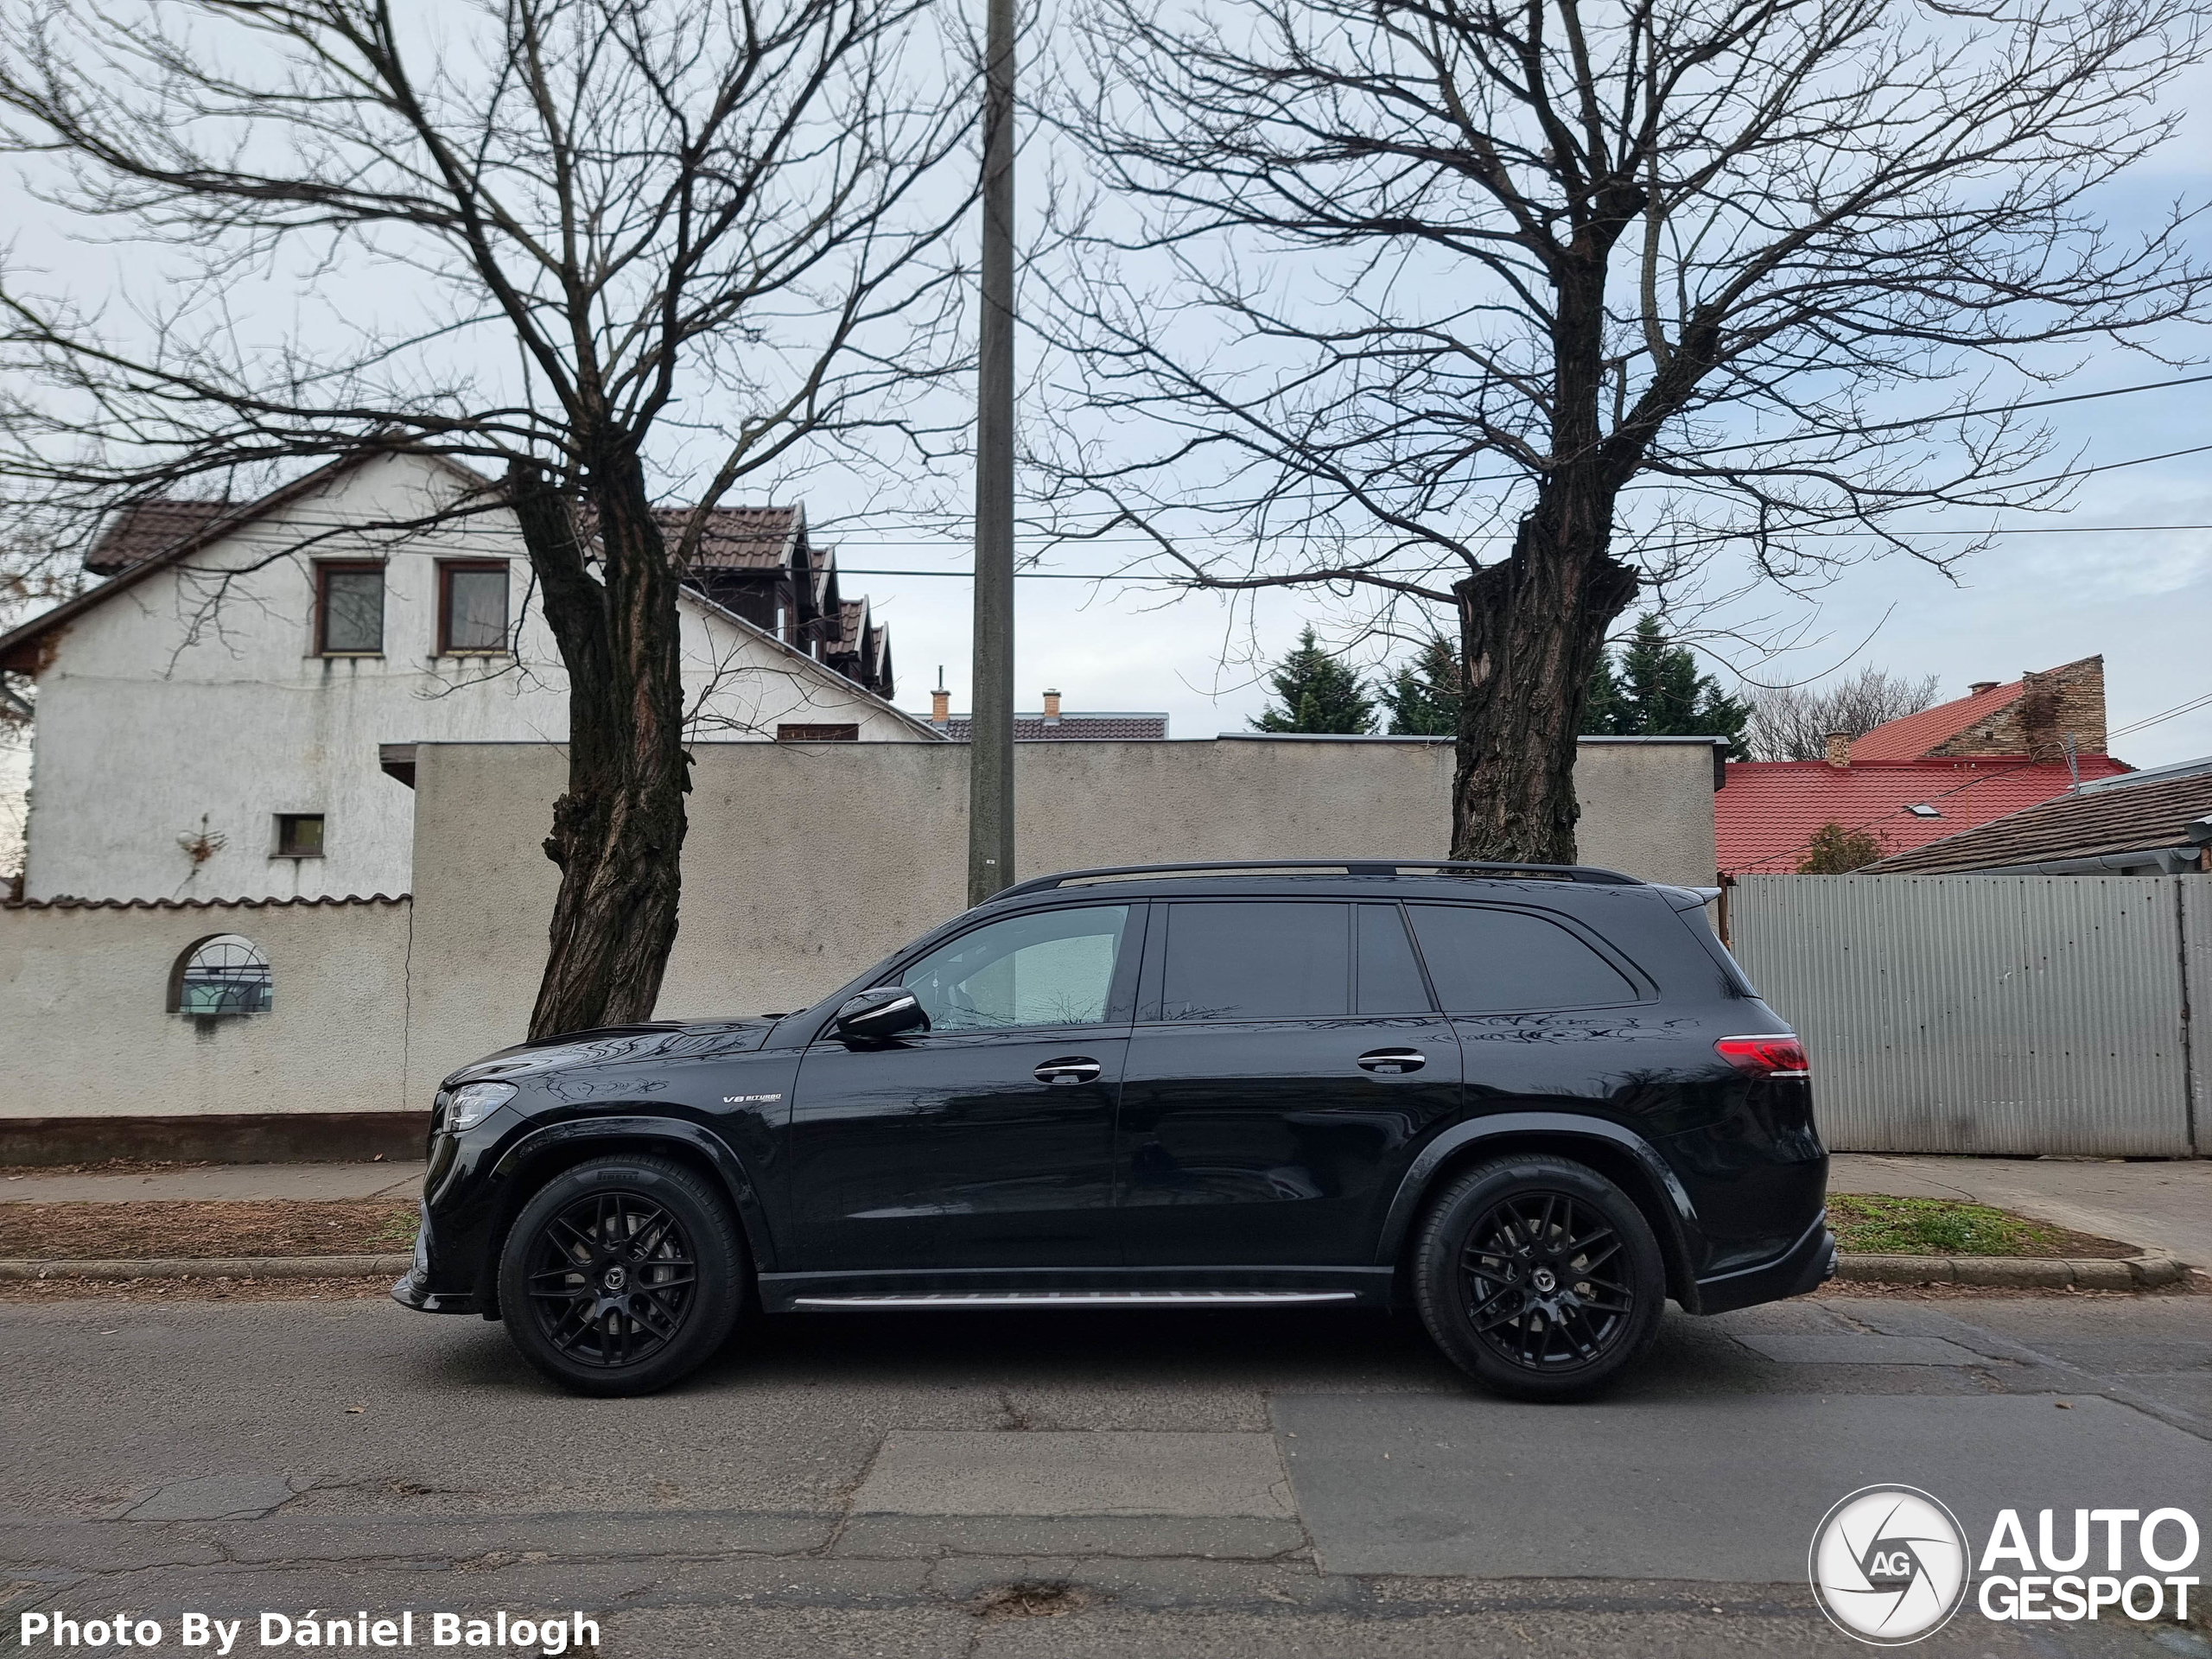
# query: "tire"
593,1280
1506,1301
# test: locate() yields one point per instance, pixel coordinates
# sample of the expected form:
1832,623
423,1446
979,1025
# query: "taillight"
1765,1056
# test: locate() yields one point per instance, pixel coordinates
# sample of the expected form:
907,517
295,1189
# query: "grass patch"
1871,1225
187,1227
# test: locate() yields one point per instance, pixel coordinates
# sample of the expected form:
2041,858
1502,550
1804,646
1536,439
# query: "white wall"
84,1030
195,695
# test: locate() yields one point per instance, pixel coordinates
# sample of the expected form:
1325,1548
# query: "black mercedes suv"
1532,1102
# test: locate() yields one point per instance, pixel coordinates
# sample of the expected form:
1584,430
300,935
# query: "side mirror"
877,1015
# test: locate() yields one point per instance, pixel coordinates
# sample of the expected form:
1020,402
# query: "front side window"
1257,961
1052,968
225,973
349,609
473,609
1508,961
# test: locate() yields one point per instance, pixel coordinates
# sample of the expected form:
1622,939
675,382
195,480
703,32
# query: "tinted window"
1054,968
1257,962
1389,978
1486,960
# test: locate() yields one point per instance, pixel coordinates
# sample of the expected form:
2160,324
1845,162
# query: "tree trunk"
1530,630
618,831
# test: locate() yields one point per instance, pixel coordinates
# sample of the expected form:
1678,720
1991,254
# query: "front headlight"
472,1102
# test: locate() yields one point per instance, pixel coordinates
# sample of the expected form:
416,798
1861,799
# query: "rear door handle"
1074,1069
1392,1061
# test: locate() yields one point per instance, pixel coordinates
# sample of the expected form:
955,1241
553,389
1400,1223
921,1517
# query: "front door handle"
1393,1061
1074,1069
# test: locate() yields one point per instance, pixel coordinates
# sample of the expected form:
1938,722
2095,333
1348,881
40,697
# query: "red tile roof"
1767,813
137,534
1911,736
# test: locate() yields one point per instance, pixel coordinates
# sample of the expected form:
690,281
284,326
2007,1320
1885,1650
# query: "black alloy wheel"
621,1275
1539,1277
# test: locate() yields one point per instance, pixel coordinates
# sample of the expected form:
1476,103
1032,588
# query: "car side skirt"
924,1289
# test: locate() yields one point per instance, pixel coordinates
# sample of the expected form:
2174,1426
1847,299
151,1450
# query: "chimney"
1839,750
1052,708
1980,686
940,702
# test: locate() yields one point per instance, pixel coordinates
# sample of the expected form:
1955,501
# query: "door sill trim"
989,1298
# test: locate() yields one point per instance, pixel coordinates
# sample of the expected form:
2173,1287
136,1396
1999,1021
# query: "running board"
1076,1298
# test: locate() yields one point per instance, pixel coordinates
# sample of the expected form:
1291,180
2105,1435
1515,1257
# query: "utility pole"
990,730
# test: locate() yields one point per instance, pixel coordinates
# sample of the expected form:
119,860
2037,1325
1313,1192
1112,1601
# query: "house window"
299,834
473,609
225,974
349,610
793,734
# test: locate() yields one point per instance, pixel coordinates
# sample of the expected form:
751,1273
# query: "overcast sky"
2107,582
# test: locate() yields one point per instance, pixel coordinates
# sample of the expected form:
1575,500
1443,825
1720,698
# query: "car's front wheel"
1538,1277
622,1275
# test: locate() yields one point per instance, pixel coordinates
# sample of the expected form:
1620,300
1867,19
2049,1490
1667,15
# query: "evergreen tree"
1423,696
1655,690
1317,693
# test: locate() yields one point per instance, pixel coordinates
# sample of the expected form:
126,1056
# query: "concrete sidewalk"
219,1184
2163,1206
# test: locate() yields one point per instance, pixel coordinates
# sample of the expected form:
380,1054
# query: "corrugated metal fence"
1991,1013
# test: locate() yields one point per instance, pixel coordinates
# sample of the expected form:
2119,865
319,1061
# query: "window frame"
788,731
1120,993
182,961
447,570
1641,988
322,839
325,569
1154,985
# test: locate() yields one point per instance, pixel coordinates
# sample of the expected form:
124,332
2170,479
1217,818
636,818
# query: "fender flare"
641,1131
1421,1176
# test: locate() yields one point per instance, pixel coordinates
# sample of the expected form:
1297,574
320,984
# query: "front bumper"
1807,1265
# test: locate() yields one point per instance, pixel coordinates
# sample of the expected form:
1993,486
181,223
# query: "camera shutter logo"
1888,1565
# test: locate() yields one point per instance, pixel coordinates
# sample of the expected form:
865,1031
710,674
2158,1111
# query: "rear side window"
1495,961
1257,962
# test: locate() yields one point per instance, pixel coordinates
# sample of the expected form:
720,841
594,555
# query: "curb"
2013,1272
214,1266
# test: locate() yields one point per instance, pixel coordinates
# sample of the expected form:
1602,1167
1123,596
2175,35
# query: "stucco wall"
194,695
84,1030
805,863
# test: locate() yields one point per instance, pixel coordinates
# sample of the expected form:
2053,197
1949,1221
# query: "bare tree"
1516,308
636,233
1792,723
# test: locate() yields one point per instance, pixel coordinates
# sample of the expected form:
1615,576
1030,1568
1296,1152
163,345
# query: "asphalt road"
1186,1484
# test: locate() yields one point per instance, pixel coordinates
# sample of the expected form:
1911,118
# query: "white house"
212,720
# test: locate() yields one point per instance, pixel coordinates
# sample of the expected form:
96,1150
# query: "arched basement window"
224,974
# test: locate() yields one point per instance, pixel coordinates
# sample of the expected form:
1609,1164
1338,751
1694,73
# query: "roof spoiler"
1688,898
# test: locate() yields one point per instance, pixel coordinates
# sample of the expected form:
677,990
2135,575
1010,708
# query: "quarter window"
349,610
225,974
1257,961
1485,961
473,609
1052,968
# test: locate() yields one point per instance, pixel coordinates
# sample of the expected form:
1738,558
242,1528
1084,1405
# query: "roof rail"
1584,872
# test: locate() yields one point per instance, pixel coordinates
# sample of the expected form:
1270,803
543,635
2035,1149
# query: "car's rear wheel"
1538,1277
622,1275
